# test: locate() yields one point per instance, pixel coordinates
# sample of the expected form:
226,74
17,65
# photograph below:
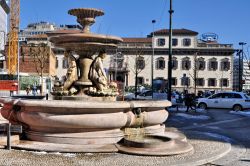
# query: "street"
221,122
200,127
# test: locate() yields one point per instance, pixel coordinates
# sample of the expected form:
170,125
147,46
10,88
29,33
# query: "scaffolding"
13,37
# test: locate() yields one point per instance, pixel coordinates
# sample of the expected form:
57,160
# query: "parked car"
237,101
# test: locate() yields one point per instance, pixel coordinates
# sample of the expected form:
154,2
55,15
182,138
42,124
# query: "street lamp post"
241,65
152,60
170,52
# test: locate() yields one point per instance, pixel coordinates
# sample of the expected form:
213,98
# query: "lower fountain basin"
154,145
82,122
149,141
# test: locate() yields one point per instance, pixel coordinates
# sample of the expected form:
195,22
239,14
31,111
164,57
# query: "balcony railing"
113,67
133,45
205,45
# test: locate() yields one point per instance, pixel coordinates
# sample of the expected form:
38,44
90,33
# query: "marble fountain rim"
88,104
81,11
79,37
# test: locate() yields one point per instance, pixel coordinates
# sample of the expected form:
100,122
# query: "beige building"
213,69
4,10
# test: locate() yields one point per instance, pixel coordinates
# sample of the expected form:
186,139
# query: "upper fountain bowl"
86,16
86,12
84,42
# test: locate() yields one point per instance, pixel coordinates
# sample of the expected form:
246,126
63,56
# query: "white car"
237,101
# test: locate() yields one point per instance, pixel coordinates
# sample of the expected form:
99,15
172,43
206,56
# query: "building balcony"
133,45
216,45
118,69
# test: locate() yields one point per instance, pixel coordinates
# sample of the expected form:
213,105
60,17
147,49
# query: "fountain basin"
148,141
83,122
153,145
85,41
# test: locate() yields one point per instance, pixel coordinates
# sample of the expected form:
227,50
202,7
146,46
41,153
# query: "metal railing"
205,45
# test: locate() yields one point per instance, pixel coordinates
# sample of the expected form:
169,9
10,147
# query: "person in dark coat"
189,101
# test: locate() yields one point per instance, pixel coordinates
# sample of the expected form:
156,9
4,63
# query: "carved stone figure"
71,75
97,74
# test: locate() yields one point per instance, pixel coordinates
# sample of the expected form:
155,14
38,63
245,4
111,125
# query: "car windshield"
247,97
215,96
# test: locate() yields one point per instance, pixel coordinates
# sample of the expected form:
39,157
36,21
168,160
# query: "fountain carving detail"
90,47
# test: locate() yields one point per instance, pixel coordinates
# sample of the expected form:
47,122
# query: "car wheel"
202,106
237,107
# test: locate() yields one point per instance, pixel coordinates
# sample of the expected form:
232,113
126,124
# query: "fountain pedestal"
84,66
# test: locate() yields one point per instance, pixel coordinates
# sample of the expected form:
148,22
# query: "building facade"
35,35
34,29
245,74
197,65
4,10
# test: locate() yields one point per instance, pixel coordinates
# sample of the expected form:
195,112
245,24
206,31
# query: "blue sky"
229,19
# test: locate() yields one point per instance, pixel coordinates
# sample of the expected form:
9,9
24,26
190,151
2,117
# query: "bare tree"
41,54
140,64
196,69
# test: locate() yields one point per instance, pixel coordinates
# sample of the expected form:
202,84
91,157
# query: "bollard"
8,136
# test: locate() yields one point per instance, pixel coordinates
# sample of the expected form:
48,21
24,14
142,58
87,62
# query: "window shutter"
176,64
188,81
216,65
189,64
156,64
183,65
209,65
228,66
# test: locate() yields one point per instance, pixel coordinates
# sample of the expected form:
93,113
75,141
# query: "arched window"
65,64
161,42
118,60
174,81
200,64
213,64
140,63
224,82
185,81
140,80
56,62
212,82
174,42
200,82
225,64
186,42
160,63
174,63
186,63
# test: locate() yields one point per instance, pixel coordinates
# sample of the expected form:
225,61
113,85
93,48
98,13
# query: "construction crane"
13,37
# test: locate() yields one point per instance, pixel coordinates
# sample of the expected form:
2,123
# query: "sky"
229,19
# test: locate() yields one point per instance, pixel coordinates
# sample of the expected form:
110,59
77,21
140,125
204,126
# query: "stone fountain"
84,116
